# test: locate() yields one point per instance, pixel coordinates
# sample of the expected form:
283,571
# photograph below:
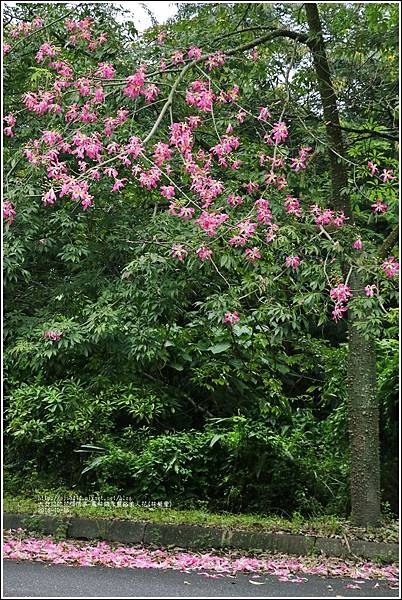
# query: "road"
36,579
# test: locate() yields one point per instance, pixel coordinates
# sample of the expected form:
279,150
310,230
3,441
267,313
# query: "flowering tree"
234,179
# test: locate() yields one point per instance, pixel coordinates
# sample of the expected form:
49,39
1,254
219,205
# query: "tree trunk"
363,403
363,422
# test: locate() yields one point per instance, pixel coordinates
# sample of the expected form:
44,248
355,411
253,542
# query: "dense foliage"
145,354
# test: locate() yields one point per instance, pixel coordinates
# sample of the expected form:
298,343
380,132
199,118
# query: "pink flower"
373,168
10,119
338,311
179,252
118,184
204,253
8,131
87,202
8,211
177,58
390,267
379,207
252,254
161,37
279,132
234,200
271,232
150,92
45,50
387,175
99,95
6,48
215,60
358,244
162,153
186,213
292,261
49,197
369,290
264,114
341,293
168,191
292,206
200,95
231,317
194,53
54,336
105,71
135,83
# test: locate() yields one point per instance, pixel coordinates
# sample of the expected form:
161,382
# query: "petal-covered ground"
18,546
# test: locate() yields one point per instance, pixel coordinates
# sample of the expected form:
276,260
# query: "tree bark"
363,415
363,402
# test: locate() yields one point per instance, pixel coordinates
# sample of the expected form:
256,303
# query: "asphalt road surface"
34,579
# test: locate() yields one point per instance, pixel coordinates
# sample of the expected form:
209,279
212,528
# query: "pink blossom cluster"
200,95
204,253
105,71
178,58
77,190
185,212
8,211
205,187
253,254
111,123
194,53
25,28
149,179
264,114
54,336
292,206
279,132
264,214
41,102
231,317
390,267
210,221
162,153
279,181
179,252
299,162
227,144
215,60
246,229
62,68
379,207
181,136
167,191
134,83
150,92
386,175
327,216
234,200
46,49
369,290
358,244
271,232
340,294
11,121
292,261
81,31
